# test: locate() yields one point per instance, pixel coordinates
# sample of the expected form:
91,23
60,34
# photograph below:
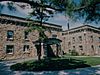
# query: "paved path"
5,70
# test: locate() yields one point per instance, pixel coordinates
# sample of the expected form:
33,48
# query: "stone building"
16,43
84,39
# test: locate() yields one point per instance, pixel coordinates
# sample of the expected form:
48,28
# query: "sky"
58,19
61,19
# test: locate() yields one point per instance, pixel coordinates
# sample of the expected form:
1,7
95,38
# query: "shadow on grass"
49,65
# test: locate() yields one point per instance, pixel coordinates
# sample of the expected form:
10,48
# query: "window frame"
54,36
10,35
26,35
26,48
11,51
81,48
80,38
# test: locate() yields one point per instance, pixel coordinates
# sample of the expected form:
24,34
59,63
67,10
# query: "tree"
41,13
87,9
41,37
90,9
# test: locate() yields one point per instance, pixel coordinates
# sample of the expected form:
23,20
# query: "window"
73,47
81,48
26,48
99,47
64,38
99,39
73,39
10,35
91,37
9,49
26,35
54,36
63,33
69,44
92,47
80,38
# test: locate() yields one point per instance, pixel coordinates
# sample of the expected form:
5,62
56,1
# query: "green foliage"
16,67
11,6
87,9
49,64
41,11
73,52
1,7
32,26
40,29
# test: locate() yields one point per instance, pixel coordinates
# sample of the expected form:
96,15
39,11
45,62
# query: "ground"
5,70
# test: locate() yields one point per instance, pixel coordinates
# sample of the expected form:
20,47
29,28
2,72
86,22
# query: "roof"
14,16
82,27
25,19
49,41
52,41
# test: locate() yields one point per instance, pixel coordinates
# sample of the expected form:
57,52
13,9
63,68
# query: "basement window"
26,48
54,36
92,47
73,47
9,49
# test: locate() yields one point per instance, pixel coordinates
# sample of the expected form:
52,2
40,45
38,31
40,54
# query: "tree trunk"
39,51
57,50
41,18
39,57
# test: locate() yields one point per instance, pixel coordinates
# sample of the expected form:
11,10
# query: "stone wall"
19,41
71,40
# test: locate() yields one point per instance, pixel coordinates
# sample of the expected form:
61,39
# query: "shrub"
51,64
73,52
16,66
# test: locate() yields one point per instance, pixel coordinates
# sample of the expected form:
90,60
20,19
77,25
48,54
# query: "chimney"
68,25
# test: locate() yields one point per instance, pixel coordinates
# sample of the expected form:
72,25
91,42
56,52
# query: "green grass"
93,61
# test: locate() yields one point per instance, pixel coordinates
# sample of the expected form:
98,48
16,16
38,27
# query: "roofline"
80,27
14,16
29,20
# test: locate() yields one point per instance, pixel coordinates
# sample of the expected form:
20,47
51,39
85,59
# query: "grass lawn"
89,59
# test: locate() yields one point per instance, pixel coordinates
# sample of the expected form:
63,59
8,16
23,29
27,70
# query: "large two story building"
16,43
84,39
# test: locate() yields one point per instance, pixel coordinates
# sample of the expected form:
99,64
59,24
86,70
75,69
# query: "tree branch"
85,6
